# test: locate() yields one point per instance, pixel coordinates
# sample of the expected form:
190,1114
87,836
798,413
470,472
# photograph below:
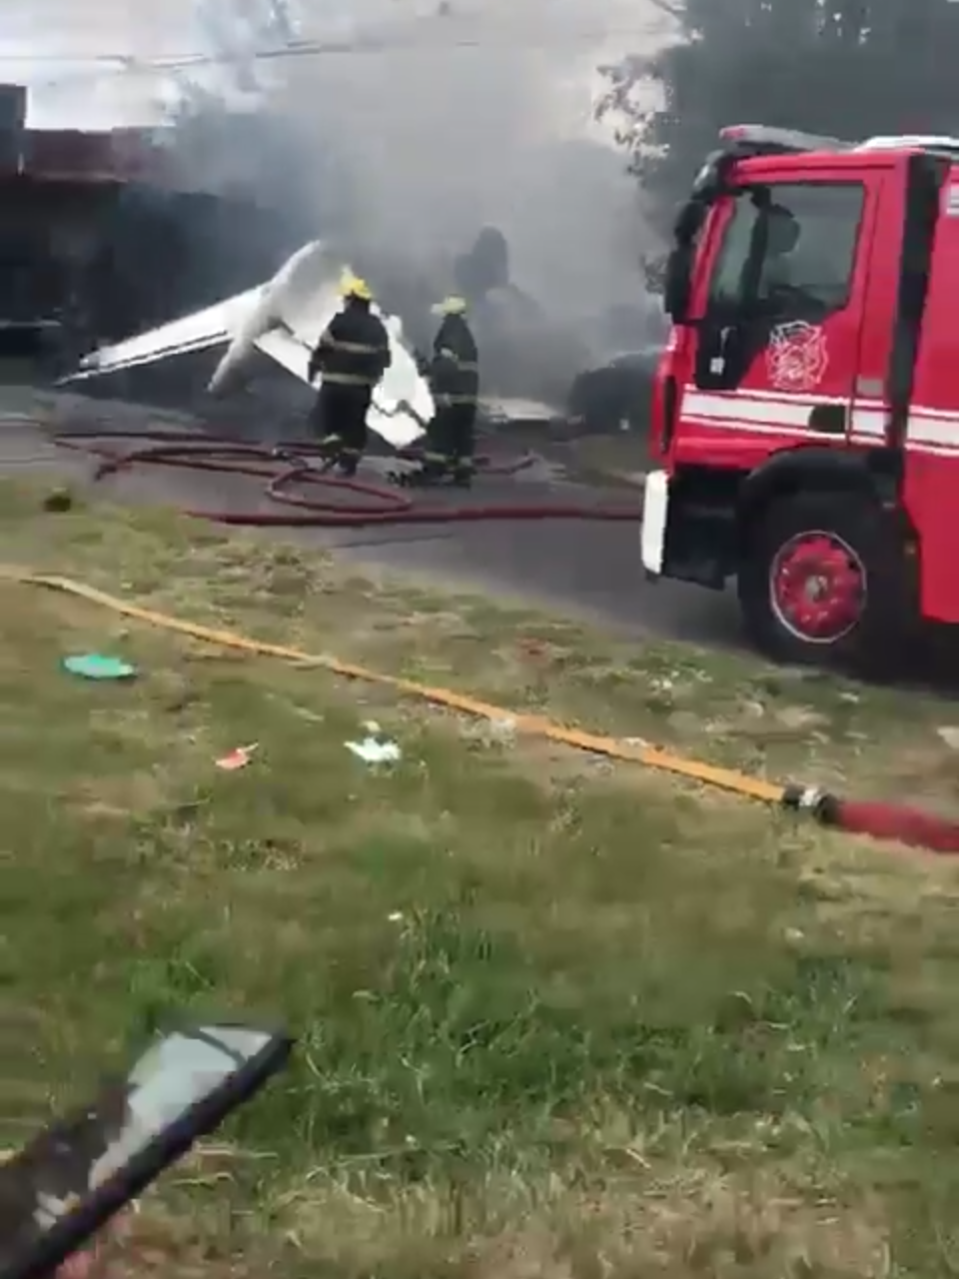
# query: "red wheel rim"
817,587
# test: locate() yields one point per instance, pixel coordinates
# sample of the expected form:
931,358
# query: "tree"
848,68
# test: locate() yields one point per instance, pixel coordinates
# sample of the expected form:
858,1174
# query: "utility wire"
123,65
117,66
354,45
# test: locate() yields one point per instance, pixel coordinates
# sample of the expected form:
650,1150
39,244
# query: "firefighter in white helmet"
350,358
453,372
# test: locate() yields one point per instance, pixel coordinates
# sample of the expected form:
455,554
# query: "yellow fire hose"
726,779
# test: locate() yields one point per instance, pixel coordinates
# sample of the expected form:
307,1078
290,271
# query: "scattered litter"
374,748
639,742
96,666
238,758
950,736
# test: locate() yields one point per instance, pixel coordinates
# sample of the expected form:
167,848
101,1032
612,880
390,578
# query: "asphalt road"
588,569
583,569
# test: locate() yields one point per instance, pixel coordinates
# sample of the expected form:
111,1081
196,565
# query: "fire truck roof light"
913,142
764,139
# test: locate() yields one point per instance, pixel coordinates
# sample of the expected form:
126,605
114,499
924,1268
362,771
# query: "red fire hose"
288,465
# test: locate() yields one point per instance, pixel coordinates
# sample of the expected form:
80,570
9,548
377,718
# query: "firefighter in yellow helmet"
453,372
351,357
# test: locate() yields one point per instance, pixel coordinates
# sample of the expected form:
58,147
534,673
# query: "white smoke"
442,116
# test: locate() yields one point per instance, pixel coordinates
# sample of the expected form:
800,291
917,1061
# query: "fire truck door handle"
829,419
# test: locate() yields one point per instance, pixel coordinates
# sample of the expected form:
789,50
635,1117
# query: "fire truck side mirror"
677,284
678,281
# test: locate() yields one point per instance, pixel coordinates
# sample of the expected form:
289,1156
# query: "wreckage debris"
281,319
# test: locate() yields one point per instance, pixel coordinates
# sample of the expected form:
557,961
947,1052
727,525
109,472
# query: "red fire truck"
807,405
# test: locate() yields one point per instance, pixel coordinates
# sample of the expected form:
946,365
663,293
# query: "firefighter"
453,372
351,357
782,236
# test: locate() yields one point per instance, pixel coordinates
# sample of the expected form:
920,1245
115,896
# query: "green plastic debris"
96,666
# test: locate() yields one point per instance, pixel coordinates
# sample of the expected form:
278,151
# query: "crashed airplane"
282,319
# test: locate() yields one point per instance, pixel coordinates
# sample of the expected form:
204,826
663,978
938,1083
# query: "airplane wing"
286,350
302,291
235,321
200,331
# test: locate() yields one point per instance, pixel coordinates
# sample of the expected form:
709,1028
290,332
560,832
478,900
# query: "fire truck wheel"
826,582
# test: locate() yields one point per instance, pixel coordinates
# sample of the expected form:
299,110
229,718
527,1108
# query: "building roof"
108,155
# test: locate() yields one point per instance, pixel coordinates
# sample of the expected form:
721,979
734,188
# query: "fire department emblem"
796,357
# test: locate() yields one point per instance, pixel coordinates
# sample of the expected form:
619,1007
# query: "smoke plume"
423,122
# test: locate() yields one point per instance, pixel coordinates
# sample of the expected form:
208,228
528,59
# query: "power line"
118,66
355,46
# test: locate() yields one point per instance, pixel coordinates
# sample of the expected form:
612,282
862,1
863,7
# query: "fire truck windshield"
788,249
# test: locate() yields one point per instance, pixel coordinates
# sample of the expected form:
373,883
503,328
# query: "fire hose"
297,465
286,465
875,819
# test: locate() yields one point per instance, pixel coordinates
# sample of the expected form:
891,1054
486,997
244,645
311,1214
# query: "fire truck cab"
806,409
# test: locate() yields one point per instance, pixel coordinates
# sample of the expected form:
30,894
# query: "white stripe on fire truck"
722,399
733,410
926,426
766,414
800,397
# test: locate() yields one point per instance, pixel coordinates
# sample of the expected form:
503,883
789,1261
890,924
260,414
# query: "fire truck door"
776,351
925,348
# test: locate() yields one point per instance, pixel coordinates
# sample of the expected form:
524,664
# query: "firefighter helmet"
351,286
452,305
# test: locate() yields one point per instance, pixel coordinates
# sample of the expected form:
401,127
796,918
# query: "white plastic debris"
374,748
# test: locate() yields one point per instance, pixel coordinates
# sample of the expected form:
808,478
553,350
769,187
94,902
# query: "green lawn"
558,1017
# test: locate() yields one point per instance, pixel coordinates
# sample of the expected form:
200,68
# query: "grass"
558,1017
